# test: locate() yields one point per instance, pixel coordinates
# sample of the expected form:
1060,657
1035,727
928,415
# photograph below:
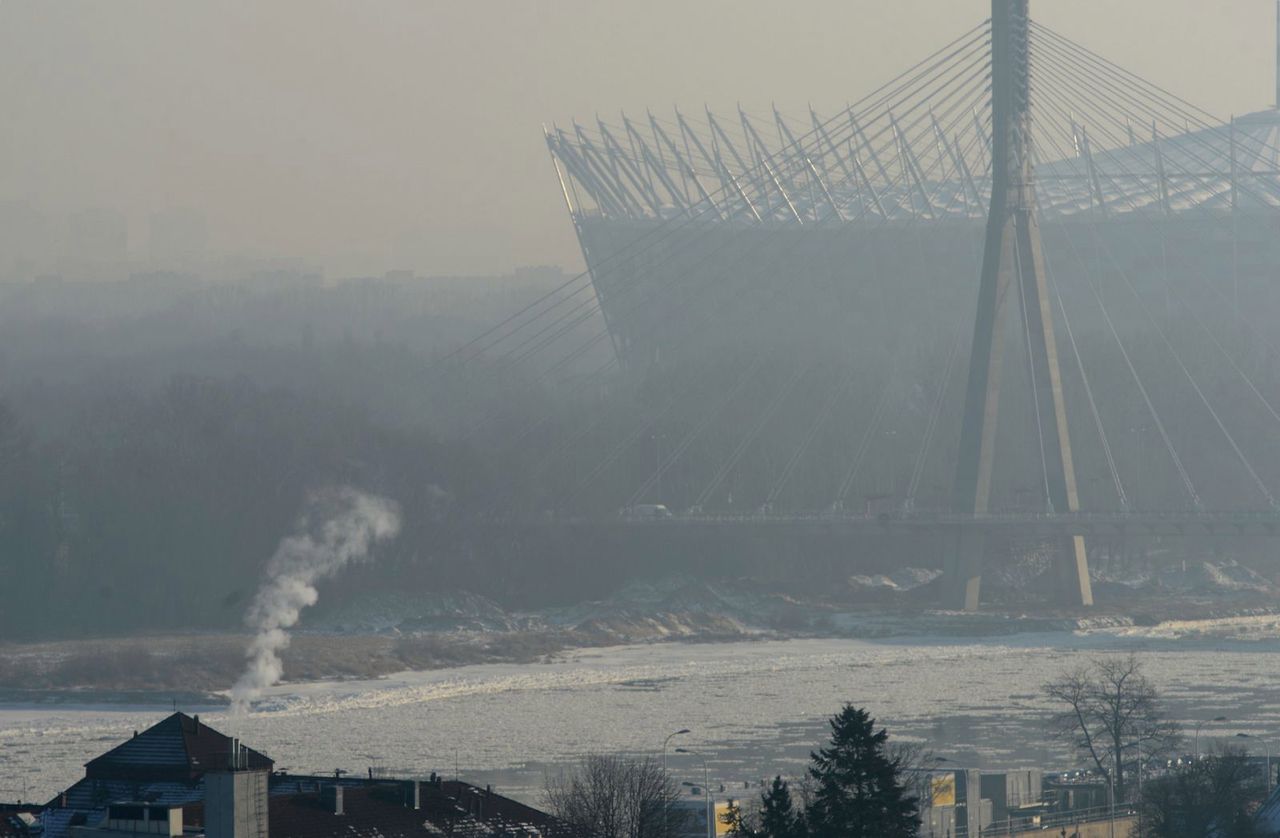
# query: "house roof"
1267,818
19,820
378,810
179,747
166,765
96,793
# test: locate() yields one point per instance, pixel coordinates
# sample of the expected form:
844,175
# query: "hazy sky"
375,135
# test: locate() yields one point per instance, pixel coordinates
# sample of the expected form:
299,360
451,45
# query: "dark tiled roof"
94,794
57,823
378,810
14,820
166,764
177,748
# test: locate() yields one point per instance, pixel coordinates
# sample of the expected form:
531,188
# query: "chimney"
235,803
331,797
412,794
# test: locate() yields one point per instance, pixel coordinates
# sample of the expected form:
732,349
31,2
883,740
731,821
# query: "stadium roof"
1106,142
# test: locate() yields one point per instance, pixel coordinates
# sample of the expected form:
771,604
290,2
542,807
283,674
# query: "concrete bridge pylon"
1013,275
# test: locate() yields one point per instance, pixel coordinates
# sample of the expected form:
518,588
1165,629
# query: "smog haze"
405,135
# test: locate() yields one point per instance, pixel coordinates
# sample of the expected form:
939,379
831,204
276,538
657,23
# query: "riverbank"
754,708
389,635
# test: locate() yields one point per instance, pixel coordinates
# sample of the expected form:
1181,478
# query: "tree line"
862,784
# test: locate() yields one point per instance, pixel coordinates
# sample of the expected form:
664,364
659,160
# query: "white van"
646,511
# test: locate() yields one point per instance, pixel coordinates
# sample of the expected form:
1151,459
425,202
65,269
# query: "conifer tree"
858,792
778,815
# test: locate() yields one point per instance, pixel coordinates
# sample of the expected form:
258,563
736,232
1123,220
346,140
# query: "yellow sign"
724,825
942,789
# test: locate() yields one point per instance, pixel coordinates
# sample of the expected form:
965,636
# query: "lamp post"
1201,724
665,742
706,789
1111,793
1266,747
665,776
1139,744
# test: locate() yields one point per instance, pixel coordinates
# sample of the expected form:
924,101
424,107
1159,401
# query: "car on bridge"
645,512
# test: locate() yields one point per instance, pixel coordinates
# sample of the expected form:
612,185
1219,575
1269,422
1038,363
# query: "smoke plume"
339,527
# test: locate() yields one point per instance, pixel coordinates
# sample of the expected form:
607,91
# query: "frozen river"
754,708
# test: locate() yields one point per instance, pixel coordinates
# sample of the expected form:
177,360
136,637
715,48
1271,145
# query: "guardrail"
1226,518
1048,821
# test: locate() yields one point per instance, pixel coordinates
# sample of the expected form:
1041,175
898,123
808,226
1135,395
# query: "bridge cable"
1186,372
931,426
612,361
1031,370
1114,83
1124,352
1190,113
1182,366
741,447
708,257
502,330
617,451
1088,389
701,426
1262,340
982,92
834,396
867,435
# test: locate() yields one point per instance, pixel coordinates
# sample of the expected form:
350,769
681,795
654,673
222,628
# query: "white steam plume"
339,527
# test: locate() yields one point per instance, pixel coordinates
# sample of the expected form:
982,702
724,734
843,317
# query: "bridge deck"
1081,523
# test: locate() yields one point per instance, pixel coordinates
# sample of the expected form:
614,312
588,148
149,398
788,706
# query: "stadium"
832,259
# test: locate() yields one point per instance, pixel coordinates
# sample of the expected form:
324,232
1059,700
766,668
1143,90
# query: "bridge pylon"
1012,263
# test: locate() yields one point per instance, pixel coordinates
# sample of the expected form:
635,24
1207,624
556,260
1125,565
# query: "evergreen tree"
778,816
737,824
857,790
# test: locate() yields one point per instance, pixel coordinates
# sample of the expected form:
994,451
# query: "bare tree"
916,764
1111,713
616,797
1210,797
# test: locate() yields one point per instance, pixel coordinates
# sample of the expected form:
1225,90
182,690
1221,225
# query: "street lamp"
1201,724
1266,747
666,776
706,789
1139,744
681,732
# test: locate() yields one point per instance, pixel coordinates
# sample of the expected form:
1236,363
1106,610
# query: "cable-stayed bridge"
774,326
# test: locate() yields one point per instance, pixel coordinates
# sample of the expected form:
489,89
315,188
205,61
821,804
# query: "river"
753,708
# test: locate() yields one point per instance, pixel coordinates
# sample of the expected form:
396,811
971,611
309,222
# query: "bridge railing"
1191,517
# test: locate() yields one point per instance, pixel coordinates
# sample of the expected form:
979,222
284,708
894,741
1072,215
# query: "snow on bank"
756,707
